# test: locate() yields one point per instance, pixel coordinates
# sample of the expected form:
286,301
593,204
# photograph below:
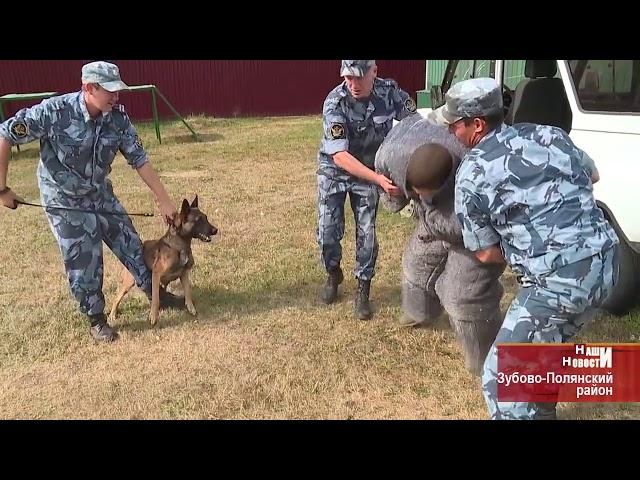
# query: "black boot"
100,330
330,288
169,300
363,306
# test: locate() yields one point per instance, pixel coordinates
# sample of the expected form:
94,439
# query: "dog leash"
101,212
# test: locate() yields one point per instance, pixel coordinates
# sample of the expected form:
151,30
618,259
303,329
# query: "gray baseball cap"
357,68
105,74
476,97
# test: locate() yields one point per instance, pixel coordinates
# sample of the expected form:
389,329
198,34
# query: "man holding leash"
80,134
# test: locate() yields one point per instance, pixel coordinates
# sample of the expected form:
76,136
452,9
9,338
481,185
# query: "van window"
607,85
512,73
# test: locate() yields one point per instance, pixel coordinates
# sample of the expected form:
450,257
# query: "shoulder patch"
19,129
410,105
337,131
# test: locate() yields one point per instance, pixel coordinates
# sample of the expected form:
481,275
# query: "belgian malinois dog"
170,258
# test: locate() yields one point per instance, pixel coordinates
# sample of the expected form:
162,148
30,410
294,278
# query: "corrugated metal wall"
221,88
435,72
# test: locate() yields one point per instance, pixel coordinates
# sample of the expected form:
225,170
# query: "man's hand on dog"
10,199
167,210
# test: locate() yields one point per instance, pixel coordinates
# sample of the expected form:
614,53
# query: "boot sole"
328,301
105,340
366,316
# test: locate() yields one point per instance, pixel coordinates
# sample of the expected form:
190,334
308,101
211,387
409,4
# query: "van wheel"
626,294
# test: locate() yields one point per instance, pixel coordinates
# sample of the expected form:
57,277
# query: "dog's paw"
192,309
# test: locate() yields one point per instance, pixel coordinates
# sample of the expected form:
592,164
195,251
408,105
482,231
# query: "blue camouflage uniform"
76,153
358,127
528,189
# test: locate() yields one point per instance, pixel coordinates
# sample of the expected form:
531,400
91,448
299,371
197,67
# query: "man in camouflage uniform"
357,115
524,194
80,134
437,271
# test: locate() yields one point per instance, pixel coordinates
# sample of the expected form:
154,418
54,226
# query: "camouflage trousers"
551,310
437,276
364,198
80,236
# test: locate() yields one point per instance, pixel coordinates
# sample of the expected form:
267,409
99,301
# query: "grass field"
263,346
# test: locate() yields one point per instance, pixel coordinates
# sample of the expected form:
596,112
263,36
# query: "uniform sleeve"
27,125
472,210
334,124
587,162
403,103
131,145
561,140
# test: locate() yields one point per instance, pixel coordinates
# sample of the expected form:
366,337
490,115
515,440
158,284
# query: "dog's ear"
185,208
194,204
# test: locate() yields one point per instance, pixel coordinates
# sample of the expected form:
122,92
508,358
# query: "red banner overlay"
568,372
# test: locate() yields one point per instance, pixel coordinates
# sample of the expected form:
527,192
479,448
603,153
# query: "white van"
598,103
